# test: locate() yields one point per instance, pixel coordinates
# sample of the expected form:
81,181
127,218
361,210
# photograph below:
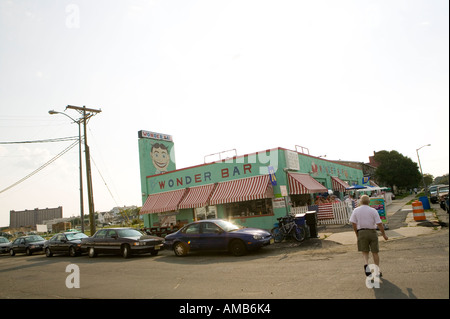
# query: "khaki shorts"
368,240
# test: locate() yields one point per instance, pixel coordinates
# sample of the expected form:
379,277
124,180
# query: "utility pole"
80,164
87,114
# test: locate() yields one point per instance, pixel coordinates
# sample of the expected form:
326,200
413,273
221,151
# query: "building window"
206,212
260,207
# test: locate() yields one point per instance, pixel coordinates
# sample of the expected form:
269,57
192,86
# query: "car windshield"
227,226
33,239
4,240
72,236
129,233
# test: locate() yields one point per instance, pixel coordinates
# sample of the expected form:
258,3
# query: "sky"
340,78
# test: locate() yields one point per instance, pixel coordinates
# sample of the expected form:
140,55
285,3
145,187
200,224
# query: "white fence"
341,214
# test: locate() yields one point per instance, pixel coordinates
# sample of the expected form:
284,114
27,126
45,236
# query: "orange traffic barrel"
418,212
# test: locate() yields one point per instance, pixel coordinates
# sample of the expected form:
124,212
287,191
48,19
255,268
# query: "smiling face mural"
156,154
160,157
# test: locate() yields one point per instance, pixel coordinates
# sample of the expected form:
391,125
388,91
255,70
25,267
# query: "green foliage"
396,169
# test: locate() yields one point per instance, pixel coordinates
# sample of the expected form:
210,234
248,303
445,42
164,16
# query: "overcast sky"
341,78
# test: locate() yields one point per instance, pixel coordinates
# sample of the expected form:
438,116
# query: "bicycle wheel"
277,234
299,233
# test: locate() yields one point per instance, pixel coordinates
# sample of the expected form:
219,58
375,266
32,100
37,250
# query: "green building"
253,190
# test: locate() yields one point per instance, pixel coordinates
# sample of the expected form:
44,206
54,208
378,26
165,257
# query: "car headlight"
257,237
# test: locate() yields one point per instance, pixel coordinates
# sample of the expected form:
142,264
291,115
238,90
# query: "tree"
428,179
441,180
396,169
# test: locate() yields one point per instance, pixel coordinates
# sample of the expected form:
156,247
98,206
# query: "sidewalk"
403,225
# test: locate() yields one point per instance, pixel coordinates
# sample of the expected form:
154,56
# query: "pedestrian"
365,220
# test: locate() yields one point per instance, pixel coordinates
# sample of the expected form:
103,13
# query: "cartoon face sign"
160,157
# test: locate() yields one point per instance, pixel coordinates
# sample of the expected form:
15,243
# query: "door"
111,242
191,236
59,243
98,242
18,245
213,237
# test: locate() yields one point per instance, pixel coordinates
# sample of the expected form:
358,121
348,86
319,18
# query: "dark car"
124,241
27,245
5,245
442,195
446,204
64,243
433,193
217,234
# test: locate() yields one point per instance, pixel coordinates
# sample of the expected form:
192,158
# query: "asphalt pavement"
400,224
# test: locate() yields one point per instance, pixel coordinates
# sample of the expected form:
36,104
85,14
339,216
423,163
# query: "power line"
59,139
42,167
107,187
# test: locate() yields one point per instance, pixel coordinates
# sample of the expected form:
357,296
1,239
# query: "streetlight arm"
53,112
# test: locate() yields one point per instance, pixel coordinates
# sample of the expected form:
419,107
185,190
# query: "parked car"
27,244
124,241
5,245
433,193
64,243
446,205
217,234
442,193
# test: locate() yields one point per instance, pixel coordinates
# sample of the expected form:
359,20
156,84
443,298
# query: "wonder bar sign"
156,156
154,135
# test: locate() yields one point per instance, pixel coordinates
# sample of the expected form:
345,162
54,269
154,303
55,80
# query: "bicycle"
288,227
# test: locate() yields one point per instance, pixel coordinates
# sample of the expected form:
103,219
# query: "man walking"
365,220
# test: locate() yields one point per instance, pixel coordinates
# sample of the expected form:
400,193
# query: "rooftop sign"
154,135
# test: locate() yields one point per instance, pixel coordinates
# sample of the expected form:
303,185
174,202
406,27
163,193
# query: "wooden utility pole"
87,114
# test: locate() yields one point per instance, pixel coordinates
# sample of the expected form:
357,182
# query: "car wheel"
72,251
237,247
180,249
12,252
28,252
91,252
126,251
48,252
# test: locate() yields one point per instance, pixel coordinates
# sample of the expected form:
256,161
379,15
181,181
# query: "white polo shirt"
365,217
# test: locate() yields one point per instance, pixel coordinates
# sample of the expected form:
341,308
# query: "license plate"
272,241
157,247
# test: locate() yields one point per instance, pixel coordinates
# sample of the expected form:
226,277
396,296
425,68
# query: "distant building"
30,218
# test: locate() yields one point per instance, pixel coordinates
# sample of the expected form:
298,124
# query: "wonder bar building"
253,190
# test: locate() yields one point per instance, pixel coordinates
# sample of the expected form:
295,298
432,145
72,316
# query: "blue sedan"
217,234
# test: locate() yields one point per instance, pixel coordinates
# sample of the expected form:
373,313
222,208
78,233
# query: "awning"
163,202
304,184
239,190
197,196
338,184
373,183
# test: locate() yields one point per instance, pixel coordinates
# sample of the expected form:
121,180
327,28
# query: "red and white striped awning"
197,196
163,202
304,184
239,190
338,184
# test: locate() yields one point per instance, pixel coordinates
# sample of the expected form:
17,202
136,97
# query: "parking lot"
313,269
